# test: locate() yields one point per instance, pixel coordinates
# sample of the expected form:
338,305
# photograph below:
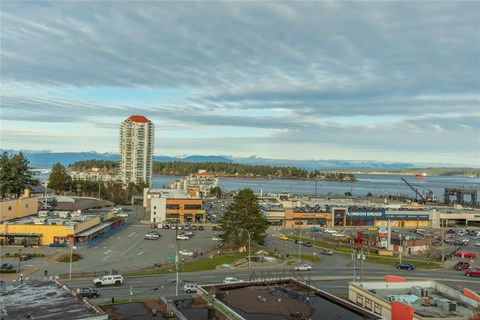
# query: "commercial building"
23,225
396,298
136,150
169,205
46,300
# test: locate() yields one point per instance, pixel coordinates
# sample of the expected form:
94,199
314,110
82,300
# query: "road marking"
133,246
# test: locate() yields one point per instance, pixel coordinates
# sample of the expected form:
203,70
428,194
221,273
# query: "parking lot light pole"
19,259
300,245
72,247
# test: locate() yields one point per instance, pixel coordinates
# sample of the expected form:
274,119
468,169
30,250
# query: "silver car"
303,267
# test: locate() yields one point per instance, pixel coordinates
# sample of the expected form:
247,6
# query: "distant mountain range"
45,159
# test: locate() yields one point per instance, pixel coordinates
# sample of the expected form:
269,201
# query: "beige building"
171,206
137,135
397,298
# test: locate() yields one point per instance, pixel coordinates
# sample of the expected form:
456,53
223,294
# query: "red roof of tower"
137,118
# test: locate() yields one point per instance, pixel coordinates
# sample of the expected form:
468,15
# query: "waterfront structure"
197,184
136,150
173,206
95,174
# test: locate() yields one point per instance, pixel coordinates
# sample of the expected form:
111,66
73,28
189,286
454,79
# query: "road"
127,250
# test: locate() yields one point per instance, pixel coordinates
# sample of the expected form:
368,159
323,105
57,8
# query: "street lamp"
249,259
300,245
19,259
72,247
354,257
400,249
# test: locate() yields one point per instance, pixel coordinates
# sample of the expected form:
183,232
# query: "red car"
465,254
461,265
473,272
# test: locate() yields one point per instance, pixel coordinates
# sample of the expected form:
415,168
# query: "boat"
421,176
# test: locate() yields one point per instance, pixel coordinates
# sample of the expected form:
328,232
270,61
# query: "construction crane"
428,197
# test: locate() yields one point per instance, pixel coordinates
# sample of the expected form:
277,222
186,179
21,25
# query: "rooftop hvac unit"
447,305
420,291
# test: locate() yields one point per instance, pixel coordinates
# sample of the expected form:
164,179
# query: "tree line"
224,169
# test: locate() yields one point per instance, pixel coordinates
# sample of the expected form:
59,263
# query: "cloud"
382,78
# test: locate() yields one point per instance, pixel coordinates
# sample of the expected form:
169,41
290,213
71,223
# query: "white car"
337,234
302,267
186,253
216,239
330,231
122,214
182,237
477,244
232,280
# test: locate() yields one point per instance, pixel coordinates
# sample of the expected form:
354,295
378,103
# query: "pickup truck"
88,293
108,280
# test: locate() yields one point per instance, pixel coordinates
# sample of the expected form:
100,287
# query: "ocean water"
376,184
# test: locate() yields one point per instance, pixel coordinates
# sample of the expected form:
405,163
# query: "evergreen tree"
15,174
241,216
59,179
215,192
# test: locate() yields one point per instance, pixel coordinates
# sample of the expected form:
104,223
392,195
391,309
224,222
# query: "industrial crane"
428,197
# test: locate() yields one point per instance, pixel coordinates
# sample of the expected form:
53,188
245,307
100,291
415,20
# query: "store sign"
366,214
408,216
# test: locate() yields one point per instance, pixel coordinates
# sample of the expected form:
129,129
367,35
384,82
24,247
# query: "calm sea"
376,184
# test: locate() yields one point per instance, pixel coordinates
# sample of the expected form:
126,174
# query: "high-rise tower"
137,135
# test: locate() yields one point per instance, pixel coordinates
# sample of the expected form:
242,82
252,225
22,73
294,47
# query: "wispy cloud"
390,81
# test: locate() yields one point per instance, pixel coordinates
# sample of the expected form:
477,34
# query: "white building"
136,150
197,184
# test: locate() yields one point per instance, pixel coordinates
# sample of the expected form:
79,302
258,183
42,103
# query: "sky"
349,80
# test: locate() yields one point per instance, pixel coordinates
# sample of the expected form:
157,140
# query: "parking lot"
124,251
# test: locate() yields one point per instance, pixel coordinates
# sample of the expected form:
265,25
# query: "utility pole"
354,257
363,258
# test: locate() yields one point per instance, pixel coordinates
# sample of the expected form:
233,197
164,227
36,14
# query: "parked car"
152,235
232,280
182,237
405,266
461,265
185,252
326,252
315,229
465,254
330,231
262,242
283,237
477,244
473,272
6,266
122,214
190,287
200,228
115,279
216,239
88,292
303,267
25,256
307,244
